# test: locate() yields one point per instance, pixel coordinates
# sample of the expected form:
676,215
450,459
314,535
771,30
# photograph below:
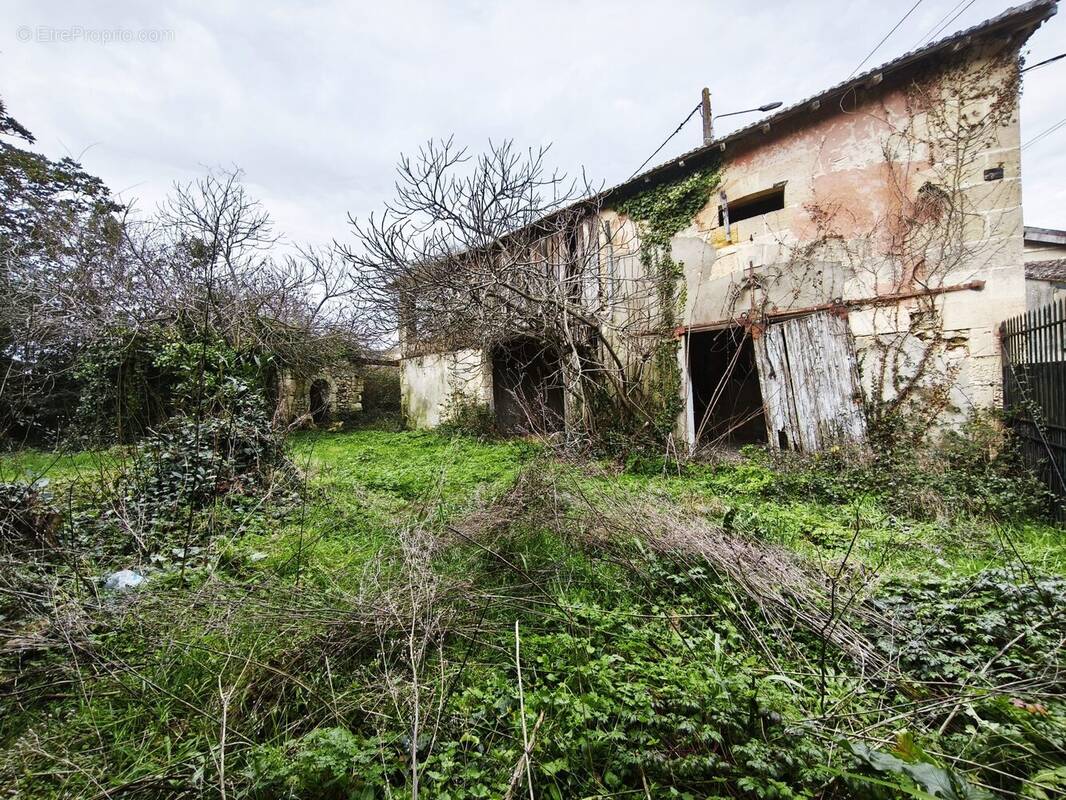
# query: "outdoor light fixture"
767,107
708,118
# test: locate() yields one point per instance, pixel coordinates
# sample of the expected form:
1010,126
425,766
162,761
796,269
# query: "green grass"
364,486
759,502
60,468
409,466
626,653
364,483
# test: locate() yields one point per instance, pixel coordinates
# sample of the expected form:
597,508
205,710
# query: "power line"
667,141
885,39
1045,133
928,34
939,30
1045,61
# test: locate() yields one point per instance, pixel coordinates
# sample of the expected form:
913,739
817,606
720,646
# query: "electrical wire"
940,28
667,141
1045,133
1045,61
928,34
885,39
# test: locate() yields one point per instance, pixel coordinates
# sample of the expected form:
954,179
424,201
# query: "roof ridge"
1033,13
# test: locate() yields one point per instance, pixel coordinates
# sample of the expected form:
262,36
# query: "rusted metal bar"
746,319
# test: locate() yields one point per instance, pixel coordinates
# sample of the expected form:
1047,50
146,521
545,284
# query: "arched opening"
527,387
319,402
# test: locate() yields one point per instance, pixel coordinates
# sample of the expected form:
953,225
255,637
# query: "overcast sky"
315,100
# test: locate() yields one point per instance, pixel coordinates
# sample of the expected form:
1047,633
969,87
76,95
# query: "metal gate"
1034,391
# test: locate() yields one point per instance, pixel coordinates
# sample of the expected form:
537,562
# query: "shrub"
192,461
974,469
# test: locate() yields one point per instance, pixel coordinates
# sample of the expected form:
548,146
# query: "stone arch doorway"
319,401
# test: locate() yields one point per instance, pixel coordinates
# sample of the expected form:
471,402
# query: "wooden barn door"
810,383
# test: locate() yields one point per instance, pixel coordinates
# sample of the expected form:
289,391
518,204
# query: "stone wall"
341,388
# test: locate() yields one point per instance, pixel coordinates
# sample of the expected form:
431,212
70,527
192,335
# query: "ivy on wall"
660,212
666,208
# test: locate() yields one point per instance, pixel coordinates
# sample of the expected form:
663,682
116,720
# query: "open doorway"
527,387
318,402
727,403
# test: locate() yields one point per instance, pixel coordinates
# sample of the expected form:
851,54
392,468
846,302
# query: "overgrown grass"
305,634
755,499
409,465
63,468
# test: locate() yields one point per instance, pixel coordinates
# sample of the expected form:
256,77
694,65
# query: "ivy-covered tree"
104,312
58,224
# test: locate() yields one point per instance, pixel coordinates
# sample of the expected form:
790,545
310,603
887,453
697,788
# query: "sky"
315,101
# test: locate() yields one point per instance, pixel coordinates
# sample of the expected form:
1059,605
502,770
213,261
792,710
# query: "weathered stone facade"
330,395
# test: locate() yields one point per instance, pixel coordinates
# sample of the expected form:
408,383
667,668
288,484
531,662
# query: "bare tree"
93,276
479,251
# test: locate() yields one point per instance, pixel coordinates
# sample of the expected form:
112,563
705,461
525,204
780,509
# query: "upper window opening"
754,205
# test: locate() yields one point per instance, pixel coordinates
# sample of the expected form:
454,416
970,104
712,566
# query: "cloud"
316,100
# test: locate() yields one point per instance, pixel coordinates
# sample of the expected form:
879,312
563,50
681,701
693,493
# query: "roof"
1046,270
1044,236
1024,18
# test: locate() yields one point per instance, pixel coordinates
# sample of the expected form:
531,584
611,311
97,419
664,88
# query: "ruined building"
855,249
332,394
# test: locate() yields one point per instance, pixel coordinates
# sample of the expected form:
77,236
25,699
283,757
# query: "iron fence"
1034,391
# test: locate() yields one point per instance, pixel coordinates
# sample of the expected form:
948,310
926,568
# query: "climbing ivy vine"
660,212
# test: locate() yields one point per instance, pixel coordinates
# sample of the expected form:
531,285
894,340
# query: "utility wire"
939,28
928,34
885,39
1045,61
668,138
1045,133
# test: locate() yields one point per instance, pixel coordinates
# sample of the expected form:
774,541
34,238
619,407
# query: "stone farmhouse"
858,247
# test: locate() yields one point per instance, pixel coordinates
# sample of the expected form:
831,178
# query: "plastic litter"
123,579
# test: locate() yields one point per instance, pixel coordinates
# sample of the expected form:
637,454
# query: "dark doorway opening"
727,406
318,402
527,387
